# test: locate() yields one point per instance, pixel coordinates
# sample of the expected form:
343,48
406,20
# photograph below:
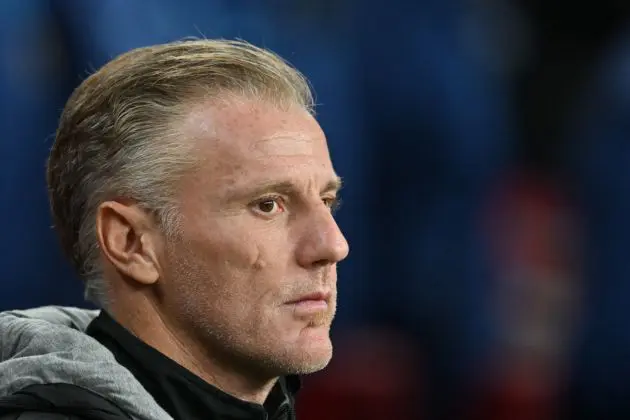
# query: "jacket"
50,369
49,366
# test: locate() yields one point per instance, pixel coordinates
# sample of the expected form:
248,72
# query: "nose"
322,241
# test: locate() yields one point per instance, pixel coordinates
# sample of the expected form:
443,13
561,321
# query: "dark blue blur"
420,102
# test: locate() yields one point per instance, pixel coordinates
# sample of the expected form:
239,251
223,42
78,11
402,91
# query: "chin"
307,365
311,354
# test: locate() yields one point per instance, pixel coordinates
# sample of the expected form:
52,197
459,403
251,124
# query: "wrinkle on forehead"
284,144
246,130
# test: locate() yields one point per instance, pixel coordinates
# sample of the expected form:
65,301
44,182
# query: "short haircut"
117,134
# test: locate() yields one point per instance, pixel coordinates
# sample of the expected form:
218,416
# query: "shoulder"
58,402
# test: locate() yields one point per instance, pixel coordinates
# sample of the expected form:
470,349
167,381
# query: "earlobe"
127,241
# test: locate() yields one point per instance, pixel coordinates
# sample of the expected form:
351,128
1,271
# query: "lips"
312,297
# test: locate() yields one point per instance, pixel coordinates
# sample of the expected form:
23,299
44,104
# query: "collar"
178,391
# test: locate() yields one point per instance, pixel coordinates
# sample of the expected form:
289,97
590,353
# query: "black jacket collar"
181,393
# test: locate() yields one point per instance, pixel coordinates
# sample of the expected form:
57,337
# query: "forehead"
242,140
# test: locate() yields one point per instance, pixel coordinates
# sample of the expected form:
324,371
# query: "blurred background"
487,197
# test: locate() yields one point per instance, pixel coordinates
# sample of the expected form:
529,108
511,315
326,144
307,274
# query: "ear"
129,240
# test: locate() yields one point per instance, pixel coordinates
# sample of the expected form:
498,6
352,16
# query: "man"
193,190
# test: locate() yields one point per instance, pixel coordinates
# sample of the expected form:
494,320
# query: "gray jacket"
48,346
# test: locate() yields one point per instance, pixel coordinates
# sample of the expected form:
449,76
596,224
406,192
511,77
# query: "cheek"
222,247
236,275
243,264
260,251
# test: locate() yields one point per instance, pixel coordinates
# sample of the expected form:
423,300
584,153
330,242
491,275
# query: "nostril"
321,263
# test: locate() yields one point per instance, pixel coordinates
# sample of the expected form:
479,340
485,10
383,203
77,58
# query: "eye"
269,206
332,203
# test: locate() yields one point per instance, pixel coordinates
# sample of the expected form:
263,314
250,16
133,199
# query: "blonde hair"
117,135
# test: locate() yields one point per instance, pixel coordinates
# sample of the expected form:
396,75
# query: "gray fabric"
48,345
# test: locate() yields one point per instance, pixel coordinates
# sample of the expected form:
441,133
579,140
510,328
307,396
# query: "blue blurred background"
487,199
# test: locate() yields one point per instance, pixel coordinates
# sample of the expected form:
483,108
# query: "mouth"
312,297
311,303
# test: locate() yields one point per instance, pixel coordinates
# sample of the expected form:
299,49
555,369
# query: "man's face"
253,272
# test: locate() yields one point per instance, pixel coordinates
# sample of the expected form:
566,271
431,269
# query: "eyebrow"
283,187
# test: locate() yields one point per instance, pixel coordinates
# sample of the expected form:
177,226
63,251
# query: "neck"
147,323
